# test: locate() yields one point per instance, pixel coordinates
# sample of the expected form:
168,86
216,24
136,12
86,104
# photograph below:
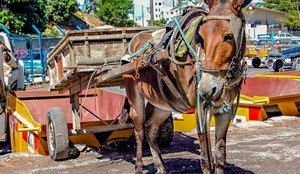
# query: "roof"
267,9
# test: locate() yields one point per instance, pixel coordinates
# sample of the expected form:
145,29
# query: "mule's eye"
228,37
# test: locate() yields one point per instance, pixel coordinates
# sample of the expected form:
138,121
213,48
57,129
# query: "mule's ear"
239,4
210,3
246,3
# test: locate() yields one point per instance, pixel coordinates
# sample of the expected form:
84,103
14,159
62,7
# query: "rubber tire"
60,138
256,62
277,65
269,63
3,127
278,41
165,133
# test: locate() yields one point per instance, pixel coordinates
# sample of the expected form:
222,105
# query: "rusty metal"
108,128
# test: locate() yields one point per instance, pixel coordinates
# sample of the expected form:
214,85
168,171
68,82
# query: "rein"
234,65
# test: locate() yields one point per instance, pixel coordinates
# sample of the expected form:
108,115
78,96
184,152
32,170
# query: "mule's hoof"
138,171
161,172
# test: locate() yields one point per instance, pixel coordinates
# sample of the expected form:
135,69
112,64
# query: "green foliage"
183,3
19,15
291,7
115,12
59,11
10,20
160,22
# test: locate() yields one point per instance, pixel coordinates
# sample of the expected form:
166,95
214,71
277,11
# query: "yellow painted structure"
260,107
27,135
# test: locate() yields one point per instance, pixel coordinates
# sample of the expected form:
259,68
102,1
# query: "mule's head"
219,43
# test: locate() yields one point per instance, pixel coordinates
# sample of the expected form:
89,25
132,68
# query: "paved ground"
270,148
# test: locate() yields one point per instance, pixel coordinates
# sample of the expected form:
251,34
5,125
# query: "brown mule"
171,86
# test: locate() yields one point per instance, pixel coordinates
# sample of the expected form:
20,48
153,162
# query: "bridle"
235,71
237,64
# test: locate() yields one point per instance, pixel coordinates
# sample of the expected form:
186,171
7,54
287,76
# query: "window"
167,13
282,35
156,3
289,35
155,9
294,42
159,3
156,16
172,12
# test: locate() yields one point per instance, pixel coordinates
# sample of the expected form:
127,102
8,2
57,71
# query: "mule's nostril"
214,91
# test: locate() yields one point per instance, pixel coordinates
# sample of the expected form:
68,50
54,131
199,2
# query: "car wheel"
256,62
277,41
277,65
269,63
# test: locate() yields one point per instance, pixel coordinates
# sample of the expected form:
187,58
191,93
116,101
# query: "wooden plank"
107,128
104,37
97,61
117,72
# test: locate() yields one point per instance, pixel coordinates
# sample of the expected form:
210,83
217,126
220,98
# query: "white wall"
264,18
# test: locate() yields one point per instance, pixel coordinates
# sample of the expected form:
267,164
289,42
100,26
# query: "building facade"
161,8
263,20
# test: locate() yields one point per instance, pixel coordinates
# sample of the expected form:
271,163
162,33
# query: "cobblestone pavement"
266,148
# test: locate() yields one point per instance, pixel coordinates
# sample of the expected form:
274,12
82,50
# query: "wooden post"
74,99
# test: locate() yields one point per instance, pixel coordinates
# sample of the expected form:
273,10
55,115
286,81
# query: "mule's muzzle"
211,87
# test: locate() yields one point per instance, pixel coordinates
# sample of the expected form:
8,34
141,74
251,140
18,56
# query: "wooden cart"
86,59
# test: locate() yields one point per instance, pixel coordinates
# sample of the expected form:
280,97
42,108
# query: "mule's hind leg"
157,117
137,114
222,124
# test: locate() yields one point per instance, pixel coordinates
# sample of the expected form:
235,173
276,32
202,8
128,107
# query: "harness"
234,72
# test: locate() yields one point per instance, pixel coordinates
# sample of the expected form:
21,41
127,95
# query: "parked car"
250,40
284,38
294,42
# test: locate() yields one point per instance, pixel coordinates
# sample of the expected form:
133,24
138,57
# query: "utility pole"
151,12
143,16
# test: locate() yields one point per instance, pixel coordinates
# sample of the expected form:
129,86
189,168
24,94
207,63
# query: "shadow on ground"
182,144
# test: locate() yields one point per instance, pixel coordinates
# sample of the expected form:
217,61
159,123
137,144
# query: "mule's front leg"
222,124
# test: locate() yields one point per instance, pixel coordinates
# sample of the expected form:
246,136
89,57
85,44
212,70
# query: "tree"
115,12
160,22
59,11
292,9
19,15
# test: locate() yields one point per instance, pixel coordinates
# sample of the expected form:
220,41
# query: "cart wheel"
57,134
269,63
165,132
256,62
277,65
